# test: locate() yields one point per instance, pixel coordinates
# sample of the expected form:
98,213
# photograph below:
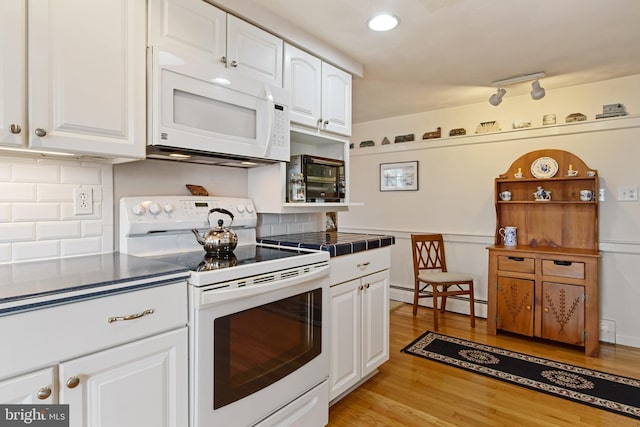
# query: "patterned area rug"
598,389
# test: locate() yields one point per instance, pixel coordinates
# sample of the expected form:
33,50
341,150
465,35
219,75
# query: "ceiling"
446,53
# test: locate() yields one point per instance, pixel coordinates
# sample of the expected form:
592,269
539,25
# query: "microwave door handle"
271,109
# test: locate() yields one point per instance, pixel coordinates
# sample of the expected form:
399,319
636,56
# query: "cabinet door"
563,313
144,383
375,321
253,51
336,100
13,92
33,388
189,27
303,78
344,365
86,76
515,305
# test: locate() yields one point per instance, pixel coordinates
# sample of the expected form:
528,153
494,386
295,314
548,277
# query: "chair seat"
443,277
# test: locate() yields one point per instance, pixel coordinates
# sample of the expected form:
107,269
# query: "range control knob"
169,208
250,208
240,208
138,209
154,209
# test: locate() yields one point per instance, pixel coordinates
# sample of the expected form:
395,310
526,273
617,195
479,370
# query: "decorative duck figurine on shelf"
542,195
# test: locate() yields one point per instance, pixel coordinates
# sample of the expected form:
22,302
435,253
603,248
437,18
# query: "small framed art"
399,176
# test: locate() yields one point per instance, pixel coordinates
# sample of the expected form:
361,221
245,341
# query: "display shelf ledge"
598,125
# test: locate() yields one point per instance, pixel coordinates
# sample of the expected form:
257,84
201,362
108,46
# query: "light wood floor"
412,391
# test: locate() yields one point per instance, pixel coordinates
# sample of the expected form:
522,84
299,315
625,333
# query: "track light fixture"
537,91
496,98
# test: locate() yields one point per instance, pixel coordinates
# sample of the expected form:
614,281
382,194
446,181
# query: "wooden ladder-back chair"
432,280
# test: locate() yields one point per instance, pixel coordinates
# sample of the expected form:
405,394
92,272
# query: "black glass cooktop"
242,255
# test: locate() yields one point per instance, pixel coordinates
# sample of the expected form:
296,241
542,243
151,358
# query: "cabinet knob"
546,309
40,132
366,286
326,122
360,287
234,64
15,128
44,393
528,308
223,59
73,382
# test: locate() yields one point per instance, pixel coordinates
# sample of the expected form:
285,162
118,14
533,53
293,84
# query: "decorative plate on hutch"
544,167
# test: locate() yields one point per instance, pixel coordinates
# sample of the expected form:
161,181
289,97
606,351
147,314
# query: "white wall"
456,184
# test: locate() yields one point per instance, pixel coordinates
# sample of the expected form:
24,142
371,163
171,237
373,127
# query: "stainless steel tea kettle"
218,240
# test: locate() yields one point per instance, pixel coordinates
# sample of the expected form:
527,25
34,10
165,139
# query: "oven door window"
257,347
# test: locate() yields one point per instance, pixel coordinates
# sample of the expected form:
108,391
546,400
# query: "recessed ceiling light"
382,23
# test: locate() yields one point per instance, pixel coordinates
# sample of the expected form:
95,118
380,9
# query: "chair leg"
435,308
415,297
472,306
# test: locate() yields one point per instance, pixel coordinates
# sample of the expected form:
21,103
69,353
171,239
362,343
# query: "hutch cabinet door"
515,305
563,313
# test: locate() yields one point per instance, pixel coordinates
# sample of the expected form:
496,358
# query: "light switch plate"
628,193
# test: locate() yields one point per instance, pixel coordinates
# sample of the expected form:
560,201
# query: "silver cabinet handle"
15,128
73,382
234,64
44,393
131,316
40,132
364,264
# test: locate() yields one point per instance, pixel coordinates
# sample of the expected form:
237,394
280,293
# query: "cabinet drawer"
561,268
67,331
349,267
516,264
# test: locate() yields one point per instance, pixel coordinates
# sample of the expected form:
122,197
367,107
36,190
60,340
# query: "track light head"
496,98
537,91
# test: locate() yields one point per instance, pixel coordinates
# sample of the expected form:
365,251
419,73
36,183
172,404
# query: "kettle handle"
221,210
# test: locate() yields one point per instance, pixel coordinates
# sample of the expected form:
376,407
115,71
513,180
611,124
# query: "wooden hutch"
547,285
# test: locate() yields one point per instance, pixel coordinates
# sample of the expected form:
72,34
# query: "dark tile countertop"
334,242
39,284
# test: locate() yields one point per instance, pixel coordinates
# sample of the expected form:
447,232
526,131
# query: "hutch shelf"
547,285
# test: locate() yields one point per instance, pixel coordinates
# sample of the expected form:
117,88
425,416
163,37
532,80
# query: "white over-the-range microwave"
205,113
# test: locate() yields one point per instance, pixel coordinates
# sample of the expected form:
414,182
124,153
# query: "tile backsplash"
37,218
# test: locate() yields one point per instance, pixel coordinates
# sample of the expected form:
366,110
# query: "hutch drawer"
516,264
561,268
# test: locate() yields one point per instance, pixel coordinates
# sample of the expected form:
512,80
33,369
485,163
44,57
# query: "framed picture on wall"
399,176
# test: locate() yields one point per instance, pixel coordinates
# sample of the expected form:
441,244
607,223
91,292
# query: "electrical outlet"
601,195
628,193
82,201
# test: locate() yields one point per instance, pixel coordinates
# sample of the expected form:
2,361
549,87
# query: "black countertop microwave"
323,178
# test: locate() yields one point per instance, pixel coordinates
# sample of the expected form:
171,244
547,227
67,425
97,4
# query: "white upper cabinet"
320,92
193,28
12,73
207,34
336,100
86,76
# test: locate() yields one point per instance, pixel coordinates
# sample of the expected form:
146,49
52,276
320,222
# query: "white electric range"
258,317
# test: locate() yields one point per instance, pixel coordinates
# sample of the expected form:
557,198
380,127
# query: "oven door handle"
217,296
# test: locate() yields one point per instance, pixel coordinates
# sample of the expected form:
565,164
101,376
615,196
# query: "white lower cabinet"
117,361
359,330
37,387
141,383
137,384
